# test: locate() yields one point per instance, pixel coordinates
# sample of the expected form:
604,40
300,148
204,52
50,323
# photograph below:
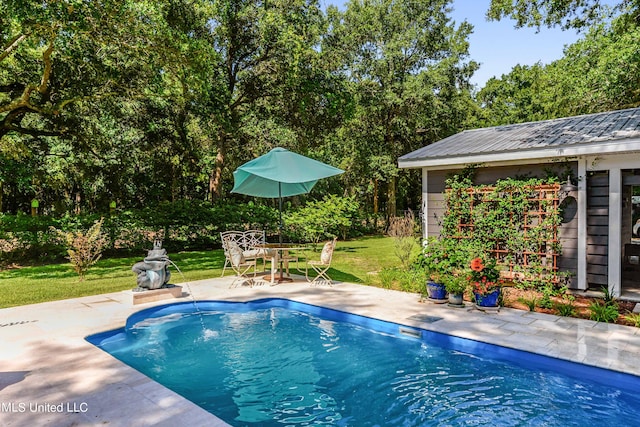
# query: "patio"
51,376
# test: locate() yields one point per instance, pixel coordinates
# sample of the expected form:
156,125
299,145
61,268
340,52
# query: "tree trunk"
78,200
1,191
375,196
392,197
174,184
215,180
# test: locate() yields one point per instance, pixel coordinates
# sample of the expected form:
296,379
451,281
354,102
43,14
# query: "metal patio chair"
252,245
240,265
322,266
249,242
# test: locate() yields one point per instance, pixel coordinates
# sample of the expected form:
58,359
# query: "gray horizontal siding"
597,229
568,232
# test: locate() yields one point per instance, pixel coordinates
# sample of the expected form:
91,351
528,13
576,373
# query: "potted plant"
437,291
433,262
485,282
456,284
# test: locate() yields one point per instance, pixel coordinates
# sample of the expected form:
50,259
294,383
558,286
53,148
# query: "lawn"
356,261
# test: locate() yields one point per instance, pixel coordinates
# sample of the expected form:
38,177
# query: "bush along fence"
183,225
516,221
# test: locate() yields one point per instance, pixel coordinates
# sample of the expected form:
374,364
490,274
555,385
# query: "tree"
516,97
577,14
141,102
262,47
598,73
409,79
95,94
58,61
56,54
601,71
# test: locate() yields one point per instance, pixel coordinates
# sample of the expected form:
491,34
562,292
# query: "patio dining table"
280,253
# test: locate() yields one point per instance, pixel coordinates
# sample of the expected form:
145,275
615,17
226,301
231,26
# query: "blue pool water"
276,362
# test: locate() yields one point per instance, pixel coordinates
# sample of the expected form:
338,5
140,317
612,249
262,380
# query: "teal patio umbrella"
280,173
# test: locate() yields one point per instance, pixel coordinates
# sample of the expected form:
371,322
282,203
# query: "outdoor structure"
599,153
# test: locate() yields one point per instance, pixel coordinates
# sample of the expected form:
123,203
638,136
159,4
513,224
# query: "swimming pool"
278,362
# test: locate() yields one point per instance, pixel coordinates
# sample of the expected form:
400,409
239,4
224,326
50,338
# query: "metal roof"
557,133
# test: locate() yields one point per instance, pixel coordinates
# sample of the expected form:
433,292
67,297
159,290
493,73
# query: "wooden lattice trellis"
536,253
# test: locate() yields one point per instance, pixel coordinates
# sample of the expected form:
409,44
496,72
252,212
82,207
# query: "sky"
497,46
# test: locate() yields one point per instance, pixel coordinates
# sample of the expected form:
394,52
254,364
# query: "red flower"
476,264
484,277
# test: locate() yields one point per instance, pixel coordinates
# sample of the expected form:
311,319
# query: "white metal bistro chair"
225,238
249,242
253,246
240,265
322,266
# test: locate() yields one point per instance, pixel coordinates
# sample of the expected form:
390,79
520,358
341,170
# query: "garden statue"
153,272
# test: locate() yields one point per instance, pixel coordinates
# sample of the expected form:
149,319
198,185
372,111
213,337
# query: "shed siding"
597,229
568,232
436,201
568,236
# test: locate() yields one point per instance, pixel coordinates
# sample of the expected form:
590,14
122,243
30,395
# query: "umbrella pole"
280,211
281,225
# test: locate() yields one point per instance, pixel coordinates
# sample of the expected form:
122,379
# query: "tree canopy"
567,14
597,73
140,101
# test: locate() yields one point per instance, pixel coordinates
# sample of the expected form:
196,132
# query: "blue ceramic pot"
488,300
436,290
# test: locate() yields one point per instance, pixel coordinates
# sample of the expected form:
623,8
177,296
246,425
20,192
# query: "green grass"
353,261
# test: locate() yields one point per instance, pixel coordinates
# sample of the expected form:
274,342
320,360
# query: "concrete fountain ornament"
153,277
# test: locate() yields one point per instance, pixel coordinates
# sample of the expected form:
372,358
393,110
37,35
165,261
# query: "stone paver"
50,376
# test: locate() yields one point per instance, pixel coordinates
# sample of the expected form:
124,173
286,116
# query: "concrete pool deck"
50,376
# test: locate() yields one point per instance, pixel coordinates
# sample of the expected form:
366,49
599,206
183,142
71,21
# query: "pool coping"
51,376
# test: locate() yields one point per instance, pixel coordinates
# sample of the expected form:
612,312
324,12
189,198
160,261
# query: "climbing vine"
516,221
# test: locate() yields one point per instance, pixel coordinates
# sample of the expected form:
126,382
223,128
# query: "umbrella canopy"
280,173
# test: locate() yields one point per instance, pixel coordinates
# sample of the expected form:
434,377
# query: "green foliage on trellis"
512,221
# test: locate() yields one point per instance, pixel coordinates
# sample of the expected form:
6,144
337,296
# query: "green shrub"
531,302
633,318
183,225
411,280
566,309
324,219
127,232
387,276
25,237
603,312
444,256
84,249
607,297
455,284
549,290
